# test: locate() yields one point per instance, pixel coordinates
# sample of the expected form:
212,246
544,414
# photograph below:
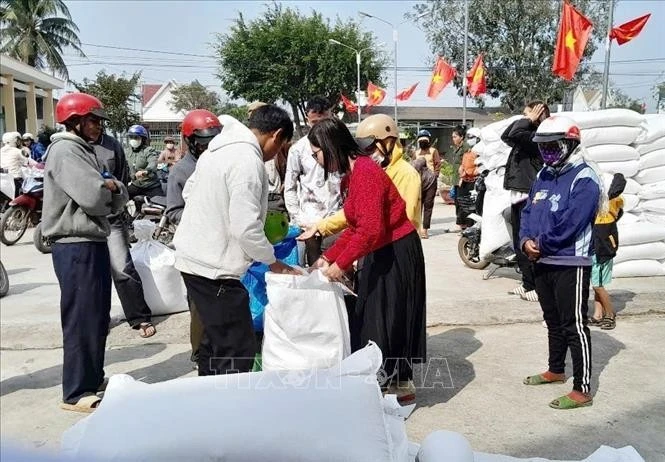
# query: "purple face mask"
553,153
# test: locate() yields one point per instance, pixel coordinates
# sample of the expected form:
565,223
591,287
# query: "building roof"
158,107
444,114
148,91
25,73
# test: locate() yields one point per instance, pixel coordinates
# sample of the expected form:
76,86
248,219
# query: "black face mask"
423,144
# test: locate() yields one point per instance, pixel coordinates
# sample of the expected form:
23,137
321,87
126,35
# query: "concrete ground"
482,342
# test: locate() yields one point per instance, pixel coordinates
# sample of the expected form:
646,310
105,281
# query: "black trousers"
525,265
462,215
228,344
84,274
315,246
428,196
125,277
563,292
152,191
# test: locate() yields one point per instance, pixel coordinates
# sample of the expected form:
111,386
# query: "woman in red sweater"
391,280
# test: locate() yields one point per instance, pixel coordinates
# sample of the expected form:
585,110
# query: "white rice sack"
630,202
651,175
655,218
606,118
638,268
654,128
617,135
627,168
650,251
612,153
652,159
492,132
653,205
629,218
632,186
658,143
640,233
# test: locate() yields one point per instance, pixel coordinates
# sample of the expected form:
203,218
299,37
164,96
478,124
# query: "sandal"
541,380
146,330
566,402
608,323
595,322
87,404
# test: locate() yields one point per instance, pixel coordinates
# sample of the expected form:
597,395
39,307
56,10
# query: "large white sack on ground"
615,135
654,128
630,202
655,218
638,268
627,168
629,218
494,232
612,153
658,143
653,205
650,251
651,175
163,288
492,132
652,159
640,233
605,118
306,324
321,415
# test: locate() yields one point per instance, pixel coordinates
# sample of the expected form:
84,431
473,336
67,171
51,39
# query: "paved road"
484,341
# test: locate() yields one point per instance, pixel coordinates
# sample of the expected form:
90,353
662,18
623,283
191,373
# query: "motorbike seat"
158,200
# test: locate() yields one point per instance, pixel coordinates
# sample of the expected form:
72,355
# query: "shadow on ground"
16,289
52,376
447,370
12,272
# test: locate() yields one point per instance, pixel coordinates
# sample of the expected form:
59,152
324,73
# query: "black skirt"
390,309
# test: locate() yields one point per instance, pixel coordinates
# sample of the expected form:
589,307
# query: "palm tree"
36,31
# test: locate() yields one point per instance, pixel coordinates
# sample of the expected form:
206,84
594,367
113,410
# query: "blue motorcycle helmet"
137,135
424,134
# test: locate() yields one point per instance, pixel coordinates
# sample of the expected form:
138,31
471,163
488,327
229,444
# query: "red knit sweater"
375,212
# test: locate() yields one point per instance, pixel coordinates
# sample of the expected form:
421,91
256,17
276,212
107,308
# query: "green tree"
517,39
236,111
620,99
194,96
118,95
285,55
37,31
659,95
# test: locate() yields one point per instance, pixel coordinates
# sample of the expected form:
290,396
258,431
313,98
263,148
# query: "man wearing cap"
170,155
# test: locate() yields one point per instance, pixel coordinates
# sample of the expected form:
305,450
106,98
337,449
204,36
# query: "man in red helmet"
78,196
199,127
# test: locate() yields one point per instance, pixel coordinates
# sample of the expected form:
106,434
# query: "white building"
156,112
589,100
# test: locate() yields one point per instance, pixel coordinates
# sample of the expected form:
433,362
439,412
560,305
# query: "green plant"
446,173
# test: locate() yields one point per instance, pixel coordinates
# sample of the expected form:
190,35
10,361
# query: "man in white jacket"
221,234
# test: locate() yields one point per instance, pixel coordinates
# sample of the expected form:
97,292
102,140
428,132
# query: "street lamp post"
358,53
395,39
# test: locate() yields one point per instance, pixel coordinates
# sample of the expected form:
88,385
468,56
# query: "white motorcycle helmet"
557,137
11,139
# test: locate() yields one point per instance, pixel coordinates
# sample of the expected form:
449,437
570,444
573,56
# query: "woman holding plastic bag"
391,283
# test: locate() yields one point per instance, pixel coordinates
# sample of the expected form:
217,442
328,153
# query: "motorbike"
468,246
153,209
23,210
4,281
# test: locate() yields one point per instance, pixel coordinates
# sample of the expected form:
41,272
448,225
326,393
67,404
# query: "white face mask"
472,141
170,145
135,143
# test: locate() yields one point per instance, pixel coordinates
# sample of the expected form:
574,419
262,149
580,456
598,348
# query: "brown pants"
195,329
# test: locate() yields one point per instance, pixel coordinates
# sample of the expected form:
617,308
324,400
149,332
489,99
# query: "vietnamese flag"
475,79
375,95
628,31
406,93
349,106
574,32
442,75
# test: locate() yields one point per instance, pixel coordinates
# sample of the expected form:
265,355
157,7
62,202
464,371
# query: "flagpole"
608,47
466,45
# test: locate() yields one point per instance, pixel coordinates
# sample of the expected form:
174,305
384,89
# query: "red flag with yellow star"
375,95
406,93
574,32
442,75
475,79
628,31
349,106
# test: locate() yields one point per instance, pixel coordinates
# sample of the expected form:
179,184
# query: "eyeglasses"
315,154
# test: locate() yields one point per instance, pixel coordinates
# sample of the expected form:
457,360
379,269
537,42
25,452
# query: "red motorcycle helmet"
78,104
201,123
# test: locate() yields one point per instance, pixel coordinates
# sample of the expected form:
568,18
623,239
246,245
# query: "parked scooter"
23,210
153,209
469,244
4,281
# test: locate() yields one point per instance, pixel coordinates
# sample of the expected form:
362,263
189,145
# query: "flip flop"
87,404
144,330
565,402
540,380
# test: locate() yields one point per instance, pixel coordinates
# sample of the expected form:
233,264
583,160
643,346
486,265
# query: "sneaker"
519,290
530,296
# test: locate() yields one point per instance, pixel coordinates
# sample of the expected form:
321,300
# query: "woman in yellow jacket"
405,178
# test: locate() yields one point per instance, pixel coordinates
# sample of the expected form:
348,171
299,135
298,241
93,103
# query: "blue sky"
189,27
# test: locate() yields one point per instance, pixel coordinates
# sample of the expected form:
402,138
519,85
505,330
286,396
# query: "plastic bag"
306,323
163,288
